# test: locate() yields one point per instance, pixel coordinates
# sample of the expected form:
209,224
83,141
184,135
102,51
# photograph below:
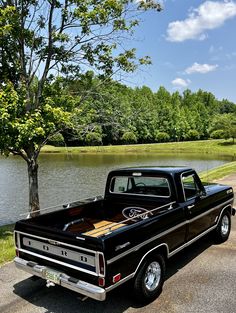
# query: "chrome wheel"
223,228
225,225
152,276
150,279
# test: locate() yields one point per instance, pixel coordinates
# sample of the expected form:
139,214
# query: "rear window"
144,185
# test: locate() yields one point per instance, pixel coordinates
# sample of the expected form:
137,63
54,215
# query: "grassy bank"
7,250
220,147
219,172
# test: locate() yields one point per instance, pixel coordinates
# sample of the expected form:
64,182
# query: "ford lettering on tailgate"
59,251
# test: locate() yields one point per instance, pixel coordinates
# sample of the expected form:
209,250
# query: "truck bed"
97,218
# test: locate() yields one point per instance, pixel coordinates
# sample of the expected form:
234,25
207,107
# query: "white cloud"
201,68
209,15
180,82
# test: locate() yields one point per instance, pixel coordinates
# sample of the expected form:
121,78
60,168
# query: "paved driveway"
202,278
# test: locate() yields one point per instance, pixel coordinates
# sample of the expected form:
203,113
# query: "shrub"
218,134
161,136
93,139
192,134
129,137
57,140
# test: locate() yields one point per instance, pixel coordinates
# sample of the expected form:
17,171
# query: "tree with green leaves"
43,39
24,132
224,126
114,113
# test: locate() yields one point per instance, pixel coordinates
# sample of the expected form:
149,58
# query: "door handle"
190,206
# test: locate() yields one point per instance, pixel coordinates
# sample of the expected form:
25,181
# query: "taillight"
116,278
17,252
101,264
101,282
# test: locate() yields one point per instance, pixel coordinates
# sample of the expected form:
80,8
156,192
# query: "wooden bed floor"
102,228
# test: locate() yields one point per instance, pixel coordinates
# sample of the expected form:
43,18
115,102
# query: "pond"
68,177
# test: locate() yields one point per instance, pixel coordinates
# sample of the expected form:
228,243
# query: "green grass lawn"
7,249
219,147
219,172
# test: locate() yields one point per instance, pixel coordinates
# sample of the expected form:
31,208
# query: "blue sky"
192,45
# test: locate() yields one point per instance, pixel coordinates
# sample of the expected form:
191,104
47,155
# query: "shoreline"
217,147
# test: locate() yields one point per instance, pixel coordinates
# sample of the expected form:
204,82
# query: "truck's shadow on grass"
58,299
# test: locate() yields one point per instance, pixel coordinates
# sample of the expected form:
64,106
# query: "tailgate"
59,253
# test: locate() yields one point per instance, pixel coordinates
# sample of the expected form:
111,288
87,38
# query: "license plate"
53,276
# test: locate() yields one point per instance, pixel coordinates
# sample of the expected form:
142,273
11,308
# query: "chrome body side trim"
79,286
122,281
209,211
169,255
135,248
188,243
157,247
200,235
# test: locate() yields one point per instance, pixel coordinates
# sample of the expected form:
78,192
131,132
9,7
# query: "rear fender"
162,249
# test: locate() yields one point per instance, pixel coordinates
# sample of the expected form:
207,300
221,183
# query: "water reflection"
67,177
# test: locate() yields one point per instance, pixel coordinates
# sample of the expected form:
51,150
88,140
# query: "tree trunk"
33,188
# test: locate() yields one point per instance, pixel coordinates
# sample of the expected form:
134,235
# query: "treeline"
112,113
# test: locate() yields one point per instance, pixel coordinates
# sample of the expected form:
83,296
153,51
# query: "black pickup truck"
147,215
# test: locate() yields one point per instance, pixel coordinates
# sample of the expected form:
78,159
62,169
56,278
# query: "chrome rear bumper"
66,281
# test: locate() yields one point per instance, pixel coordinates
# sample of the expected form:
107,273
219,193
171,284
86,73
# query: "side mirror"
203,193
